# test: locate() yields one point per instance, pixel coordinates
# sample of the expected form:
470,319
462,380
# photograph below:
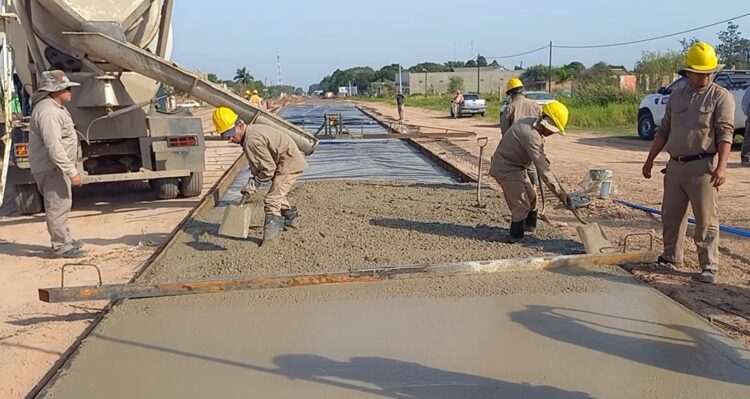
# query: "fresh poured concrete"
533,334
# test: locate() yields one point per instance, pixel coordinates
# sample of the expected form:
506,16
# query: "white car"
652,108
190,104
540,97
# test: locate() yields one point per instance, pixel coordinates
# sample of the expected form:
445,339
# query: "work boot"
273,227
745,161
291,218
664,262
73,253
516,231
708,276
530,226
78,244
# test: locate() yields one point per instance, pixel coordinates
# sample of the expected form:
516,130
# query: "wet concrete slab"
508,335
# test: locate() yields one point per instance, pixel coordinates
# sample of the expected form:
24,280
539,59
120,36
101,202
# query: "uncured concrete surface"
532,334
346,224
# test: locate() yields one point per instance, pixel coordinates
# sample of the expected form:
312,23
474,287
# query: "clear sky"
317,36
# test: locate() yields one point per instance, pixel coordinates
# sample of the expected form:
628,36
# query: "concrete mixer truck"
118,50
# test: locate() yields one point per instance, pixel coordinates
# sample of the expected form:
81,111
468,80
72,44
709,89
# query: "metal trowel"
236,221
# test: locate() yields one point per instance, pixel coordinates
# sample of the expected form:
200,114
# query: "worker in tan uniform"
53,152
519,107
273,157
520,147
697,132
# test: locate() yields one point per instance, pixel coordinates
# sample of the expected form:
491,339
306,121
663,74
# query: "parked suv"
652,108
472,105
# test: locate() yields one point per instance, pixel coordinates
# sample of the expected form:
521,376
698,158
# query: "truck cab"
652,108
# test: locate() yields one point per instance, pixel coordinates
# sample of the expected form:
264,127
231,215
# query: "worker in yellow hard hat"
518,107
697,132
273,157
256,99
520,147
247,95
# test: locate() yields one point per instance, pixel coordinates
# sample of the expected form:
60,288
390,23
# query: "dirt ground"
347,225
573,155
121,226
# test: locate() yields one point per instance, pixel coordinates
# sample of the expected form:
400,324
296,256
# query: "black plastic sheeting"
311,116
378,160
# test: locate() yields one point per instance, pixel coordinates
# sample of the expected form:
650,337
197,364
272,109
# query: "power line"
622,43
656,37
519,54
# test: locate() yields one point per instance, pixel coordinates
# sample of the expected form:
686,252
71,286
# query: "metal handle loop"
62,272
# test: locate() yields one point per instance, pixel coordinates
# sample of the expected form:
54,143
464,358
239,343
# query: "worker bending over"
273,157
519,107
698,125
520,147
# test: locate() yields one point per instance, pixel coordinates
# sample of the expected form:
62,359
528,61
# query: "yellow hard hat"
255,91
247,91
513,84
224,119
558,113
701,58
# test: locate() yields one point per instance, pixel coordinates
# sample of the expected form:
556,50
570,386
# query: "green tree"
471,63
299,91
535,74
481,61
455,64
387,72
429,67
733,49
243,77
575,68
494,63
599,73
656,67
455,83
212,78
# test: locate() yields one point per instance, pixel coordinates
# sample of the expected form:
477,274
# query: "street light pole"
478,73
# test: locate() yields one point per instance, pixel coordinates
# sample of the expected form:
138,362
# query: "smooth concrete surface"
412,339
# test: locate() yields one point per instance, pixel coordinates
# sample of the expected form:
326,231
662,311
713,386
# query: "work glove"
250,188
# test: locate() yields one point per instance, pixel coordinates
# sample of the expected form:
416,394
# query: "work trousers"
456,110
58,199
691,183
400,111
520,197
745,151
276,200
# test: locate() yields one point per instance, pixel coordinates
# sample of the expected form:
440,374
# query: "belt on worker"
691,158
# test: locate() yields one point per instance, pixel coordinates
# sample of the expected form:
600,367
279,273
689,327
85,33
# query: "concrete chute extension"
132,58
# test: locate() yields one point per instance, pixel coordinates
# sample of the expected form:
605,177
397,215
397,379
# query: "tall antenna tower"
279,81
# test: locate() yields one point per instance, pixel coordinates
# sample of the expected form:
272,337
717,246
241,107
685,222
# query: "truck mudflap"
130,57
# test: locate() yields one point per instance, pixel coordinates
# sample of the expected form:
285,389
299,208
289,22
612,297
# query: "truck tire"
191,186
646,126
167,188
28,199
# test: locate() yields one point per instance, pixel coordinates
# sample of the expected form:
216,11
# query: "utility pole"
425,83
549,70
478,73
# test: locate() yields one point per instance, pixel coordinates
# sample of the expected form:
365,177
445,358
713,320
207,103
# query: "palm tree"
243,77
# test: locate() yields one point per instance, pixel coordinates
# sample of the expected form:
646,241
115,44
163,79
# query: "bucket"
601,181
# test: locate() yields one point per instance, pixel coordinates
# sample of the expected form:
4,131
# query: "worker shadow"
620,141
479,232
12,248
377,376
679,348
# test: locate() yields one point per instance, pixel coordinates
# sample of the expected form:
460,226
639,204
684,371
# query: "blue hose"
726,229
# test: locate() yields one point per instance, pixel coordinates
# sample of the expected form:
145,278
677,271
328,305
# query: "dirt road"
121,226
573,155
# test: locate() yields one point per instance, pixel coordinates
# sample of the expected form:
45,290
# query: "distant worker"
519,106
745,152
400,99
520,147
255,99
457,103
273,157
247,95
698,124
53,152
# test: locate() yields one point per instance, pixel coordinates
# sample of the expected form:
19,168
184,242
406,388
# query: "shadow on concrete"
700,353
41,251
389,378
480,233
52,318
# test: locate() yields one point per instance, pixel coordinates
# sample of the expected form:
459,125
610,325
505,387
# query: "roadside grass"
610,119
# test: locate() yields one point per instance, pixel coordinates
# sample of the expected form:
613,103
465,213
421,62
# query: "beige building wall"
491,80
